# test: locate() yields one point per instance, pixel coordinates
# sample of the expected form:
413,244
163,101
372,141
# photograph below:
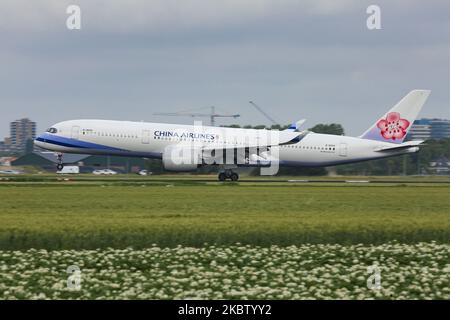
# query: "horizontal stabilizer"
405,145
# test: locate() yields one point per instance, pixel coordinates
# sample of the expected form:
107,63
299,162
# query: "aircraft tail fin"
395,124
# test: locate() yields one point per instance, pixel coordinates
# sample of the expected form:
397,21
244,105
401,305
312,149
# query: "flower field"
319,271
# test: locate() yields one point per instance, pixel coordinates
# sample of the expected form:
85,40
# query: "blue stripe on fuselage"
74,143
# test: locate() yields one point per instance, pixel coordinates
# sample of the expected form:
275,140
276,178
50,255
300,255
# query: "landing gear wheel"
228,174
60,165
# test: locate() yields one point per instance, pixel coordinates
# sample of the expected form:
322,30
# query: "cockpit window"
52,130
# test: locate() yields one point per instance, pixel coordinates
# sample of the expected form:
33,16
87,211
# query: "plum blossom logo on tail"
393,127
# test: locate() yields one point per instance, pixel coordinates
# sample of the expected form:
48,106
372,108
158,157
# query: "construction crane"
212,115
264,113
297,124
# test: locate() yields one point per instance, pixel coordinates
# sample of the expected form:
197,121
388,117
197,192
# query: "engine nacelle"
176,158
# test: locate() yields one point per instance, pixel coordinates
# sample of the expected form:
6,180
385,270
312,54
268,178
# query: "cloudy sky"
311,59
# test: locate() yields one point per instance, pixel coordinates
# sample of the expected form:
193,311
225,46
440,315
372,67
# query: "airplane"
188,147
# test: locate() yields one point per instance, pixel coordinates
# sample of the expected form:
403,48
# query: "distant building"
20,132
425,129
440,165
5,146
6,161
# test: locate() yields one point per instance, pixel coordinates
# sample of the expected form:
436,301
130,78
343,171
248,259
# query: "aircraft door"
343,149
145,136
75,132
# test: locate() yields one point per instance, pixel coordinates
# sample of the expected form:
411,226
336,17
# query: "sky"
313,59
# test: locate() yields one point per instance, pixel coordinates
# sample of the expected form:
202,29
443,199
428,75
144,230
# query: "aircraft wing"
258,151
272,139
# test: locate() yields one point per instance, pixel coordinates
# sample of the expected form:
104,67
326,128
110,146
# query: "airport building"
21,131
426,129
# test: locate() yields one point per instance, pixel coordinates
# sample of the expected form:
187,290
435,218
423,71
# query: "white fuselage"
150,140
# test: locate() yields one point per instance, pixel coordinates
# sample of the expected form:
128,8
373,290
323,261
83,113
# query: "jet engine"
177,158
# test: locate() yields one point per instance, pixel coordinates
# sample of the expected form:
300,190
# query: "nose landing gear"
60,164
228,174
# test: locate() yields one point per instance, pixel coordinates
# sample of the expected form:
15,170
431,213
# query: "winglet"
296,125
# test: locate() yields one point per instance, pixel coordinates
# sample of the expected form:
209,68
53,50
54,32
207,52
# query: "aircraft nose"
39,141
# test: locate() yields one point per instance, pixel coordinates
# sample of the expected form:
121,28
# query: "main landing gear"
60,165
228,174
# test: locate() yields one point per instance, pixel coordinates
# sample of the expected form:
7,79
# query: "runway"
212,179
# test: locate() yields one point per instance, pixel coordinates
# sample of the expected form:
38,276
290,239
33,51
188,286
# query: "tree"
279,127
259,126
302,171
29,145
154,165
332,128
415,163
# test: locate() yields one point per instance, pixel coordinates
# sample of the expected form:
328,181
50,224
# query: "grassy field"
87,213
177,237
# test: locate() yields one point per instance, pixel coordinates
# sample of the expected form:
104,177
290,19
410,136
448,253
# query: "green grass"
75,215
